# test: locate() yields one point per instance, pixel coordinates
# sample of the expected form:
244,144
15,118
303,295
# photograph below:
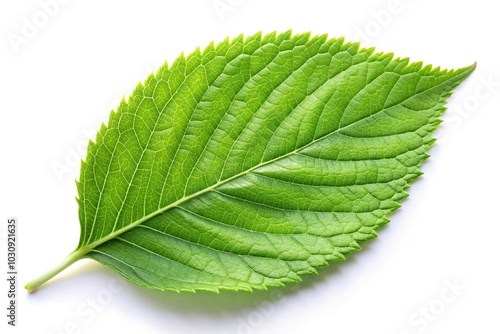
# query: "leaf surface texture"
256,161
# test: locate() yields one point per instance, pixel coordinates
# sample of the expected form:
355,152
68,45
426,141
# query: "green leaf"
254,162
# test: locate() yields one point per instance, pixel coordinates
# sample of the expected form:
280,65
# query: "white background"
61,81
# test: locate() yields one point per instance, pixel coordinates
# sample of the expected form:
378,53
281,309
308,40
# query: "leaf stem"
42,279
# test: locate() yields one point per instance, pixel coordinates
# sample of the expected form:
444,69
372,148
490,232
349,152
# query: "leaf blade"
198,209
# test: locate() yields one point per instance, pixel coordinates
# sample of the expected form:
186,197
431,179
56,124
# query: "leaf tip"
467,70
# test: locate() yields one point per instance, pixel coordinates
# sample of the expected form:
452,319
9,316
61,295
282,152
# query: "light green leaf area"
256,161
